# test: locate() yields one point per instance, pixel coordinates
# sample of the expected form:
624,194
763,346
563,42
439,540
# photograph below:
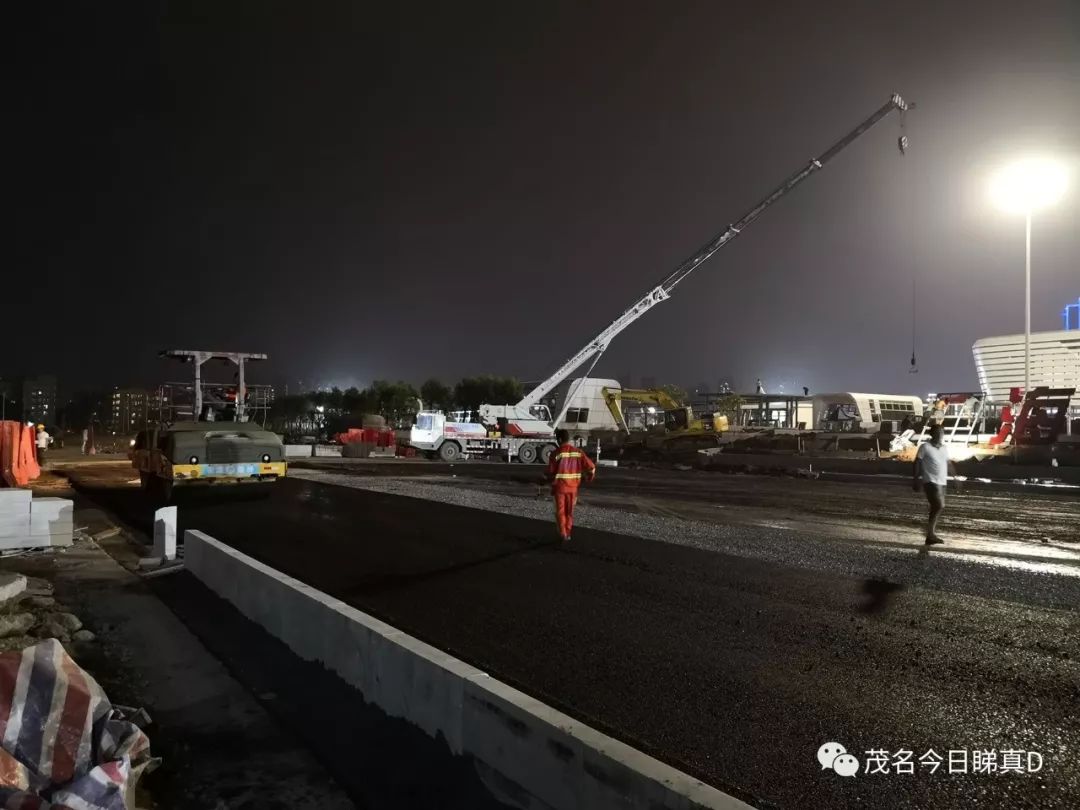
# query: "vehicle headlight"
193,460
266,458
131,443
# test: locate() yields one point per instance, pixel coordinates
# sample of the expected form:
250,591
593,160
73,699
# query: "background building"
1055,362
132,409
39,399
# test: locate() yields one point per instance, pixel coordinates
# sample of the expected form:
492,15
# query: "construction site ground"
219,744
728,625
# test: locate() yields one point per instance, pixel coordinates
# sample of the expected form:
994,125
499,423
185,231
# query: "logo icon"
833,755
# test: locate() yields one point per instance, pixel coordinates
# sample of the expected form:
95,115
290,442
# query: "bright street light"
1024,187
1028,185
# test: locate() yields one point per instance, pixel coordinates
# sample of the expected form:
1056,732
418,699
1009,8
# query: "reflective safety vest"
567,465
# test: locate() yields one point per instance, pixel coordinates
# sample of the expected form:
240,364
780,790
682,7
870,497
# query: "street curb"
529,754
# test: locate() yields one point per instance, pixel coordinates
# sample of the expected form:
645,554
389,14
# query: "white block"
26,540
165,533
10,526
15,500
11,585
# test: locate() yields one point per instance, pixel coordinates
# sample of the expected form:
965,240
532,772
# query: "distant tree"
394,400
472,392
334,400
675,392
728,404
291,414
436,395
351,400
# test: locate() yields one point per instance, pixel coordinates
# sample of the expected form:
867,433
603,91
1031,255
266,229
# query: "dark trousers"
935,496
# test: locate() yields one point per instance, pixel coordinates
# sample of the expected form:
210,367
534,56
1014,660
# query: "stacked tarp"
62,744
18,457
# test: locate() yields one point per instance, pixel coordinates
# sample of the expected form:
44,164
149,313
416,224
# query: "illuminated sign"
1071,315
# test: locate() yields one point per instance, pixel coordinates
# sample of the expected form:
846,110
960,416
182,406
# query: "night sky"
407,190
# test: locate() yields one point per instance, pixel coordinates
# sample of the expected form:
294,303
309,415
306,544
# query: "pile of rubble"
29,612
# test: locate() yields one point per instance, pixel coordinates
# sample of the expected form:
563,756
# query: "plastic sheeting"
18,458
63,746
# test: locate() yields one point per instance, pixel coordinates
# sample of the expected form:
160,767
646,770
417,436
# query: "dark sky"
412,189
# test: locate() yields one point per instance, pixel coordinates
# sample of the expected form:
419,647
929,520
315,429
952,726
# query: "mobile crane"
525,429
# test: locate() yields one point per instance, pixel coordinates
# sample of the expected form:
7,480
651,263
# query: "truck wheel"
545,453
527,453
449,451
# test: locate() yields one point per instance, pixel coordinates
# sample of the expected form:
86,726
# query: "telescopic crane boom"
662,291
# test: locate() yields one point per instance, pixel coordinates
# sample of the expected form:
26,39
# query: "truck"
525,429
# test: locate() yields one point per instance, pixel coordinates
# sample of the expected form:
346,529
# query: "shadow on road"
381,761
390,582
877,594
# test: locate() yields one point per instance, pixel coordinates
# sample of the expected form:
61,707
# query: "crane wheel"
450,451
545,453
527,453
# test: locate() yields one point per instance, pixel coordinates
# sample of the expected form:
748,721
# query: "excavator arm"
653,396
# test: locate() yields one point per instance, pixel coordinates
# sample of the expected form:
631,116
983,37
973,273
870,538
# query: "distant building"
1055,362
39,399
131,409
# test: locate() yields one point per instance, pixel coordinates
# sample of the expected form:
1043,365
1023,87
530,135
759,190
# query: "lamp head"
1028,185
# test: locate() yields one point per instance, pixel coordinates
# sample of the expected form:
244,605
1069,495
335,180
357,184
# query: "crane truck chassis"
453,441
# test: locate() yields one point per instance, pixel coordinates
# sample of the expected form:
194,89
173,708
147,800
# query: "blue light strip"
1071,315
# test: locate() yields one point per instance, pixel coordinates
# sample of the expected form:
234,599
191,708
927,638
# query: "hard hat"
40,427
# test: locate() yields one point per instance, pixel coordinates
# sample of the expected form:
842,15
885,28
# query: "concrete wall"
298,451
529,754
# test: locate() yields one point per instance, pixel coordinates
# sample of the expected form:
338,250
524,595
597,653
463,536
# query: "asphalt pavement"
733,668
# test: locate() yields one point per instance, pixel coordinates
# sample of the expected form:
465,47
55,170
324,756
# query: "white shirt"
933,463
43,438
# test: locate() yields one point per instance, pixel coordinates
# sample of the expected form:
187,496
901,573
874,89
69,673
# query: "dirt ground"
991,517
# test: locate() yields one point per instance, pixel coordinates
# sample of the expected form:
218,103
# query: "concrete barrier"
529,754
298,451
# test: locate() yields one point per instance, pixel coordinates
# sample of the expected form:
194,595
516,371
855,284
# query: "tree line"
328,412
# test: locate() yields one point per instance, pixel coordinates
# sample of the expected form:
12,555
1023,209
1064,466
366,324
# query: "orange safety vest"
567,465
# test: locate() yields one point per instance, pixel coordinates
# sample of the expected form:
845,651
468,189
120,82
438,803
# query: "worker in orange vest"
565,469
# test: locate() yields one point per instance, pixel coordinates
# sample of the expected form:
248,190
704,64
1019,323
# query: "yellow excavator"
682,428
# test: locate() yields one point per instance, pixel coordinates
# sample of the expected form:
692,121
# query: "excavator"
527,425
678,417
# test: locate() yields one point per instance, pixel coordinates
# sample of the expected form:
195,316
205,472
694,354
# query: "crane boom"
662,291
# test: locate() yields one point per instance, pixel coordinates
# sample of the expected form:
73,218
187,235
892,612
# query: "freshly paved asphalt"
733,669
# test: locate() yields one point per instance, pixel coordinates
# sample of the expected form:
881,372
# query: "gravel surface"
1043,583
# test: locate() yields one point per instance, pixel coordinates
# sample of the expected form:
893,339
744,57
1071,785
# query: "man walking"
932,466
564,470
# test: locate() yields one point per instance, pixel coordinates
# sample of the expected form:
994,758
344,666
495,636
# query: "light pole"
1026,186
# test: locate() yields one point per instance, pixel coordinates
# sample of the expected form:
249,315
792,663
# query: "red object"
376,437
564,511
567,466
18,455
1042,416
1006,426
